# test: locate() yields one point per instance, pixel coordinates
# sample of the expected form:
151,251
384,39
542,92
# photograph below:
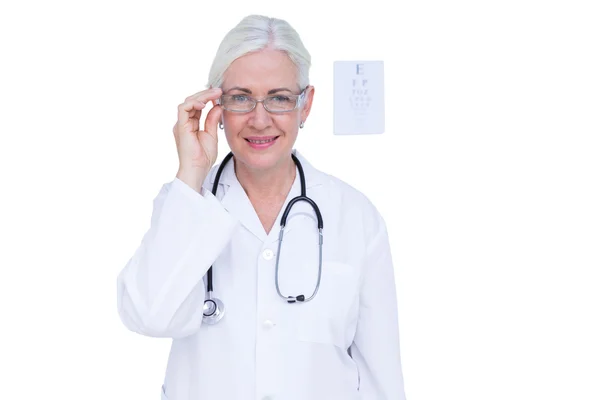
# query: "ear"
308,99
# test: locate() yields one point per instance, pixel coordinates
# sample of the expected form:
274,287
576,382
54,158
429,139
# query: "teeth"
261,141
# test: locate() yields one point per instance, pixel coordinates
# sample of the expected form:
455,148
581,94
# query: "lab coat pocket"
328,318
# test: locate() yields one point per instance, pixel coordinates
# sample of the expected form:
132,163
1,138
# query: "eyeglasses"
279,103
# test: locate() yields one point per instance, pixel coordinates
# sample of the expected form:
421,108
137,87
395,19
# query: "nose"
260,118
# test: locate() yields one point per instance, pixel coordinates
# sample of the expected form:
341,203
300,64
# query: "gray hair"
254,33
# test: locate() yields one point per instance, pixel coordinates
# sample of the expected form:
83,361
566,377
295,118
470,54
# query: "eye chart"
358,98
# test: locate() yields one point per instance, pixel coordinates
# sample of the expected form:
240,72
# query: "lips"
261,139
261,143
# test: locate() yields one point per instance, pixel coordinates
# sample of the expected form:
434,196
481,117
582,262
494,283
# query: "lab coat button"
268,324
267,398
267,254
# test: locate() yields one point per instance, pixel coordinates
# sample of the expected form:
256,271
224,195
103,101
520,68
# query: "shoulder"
356,197
355,208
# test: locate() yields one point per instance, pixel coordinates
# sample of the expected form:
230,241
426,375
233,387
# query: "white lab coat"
343,344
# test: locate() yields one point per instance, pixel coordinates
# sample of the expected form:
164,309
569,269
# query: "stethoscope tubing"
213,308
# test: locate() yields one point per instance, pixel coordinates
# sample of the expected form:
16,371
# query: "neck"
265,184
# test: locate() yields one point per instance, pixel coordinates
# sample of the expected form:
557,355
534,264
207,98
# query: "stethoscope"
214,309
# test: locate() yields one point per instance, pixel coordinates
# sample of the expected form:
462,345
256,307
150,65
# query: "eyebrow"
245,90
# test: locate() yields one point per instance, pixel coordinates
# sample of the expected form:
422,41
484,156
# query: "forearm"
160,290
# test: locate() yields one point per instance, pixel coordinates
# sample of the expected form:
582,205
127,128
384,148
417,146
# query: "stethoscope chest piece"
213,311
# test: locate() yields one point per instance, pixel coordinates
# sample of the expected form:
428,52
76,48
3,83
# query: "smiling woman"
338,338
262,140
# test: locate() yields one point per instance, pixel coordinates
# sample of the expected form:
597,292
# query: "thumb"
212,119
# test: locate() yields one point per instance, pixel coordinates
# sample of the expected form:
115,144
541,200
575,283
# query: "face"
258,75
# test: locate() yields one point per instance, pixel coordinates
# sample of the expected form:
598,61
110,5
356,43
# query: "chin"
262,159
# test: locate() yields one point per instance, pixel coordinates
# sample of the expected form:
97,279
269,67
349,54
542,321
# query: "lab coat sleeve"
160,290
376,345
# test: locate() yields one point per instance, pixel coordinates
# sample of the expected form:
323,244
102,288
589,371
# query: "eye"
281,99
239,98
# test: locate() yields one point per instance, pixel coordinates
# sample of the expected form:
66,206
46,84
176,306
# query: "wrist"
192,178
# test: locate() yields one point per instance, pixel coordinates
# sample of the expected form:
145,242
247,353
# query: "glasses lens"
237,102
243,103
280,103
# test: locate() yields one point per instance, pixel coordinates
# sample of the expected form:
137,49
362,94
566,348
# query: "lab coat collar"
238,204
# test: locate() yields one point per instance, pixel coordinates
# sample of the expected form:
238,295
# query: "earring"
301,124
220,125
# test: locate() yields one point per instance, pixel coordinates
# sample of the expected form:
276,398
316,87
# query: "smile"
262,141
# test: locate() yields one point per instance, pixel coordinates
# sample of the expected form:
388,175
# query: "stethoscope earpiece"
293,299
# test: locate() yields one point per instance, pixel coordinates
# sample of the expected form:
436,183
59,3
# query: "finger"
189,109
200,93
194,124
195,113
192,106
212,119
207,95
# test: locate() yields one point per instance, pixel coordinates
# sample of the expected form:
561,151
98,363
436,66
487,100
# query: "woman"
302,313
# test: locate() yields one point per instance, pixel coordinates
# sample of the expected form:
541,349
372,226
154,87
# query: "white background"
488,177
